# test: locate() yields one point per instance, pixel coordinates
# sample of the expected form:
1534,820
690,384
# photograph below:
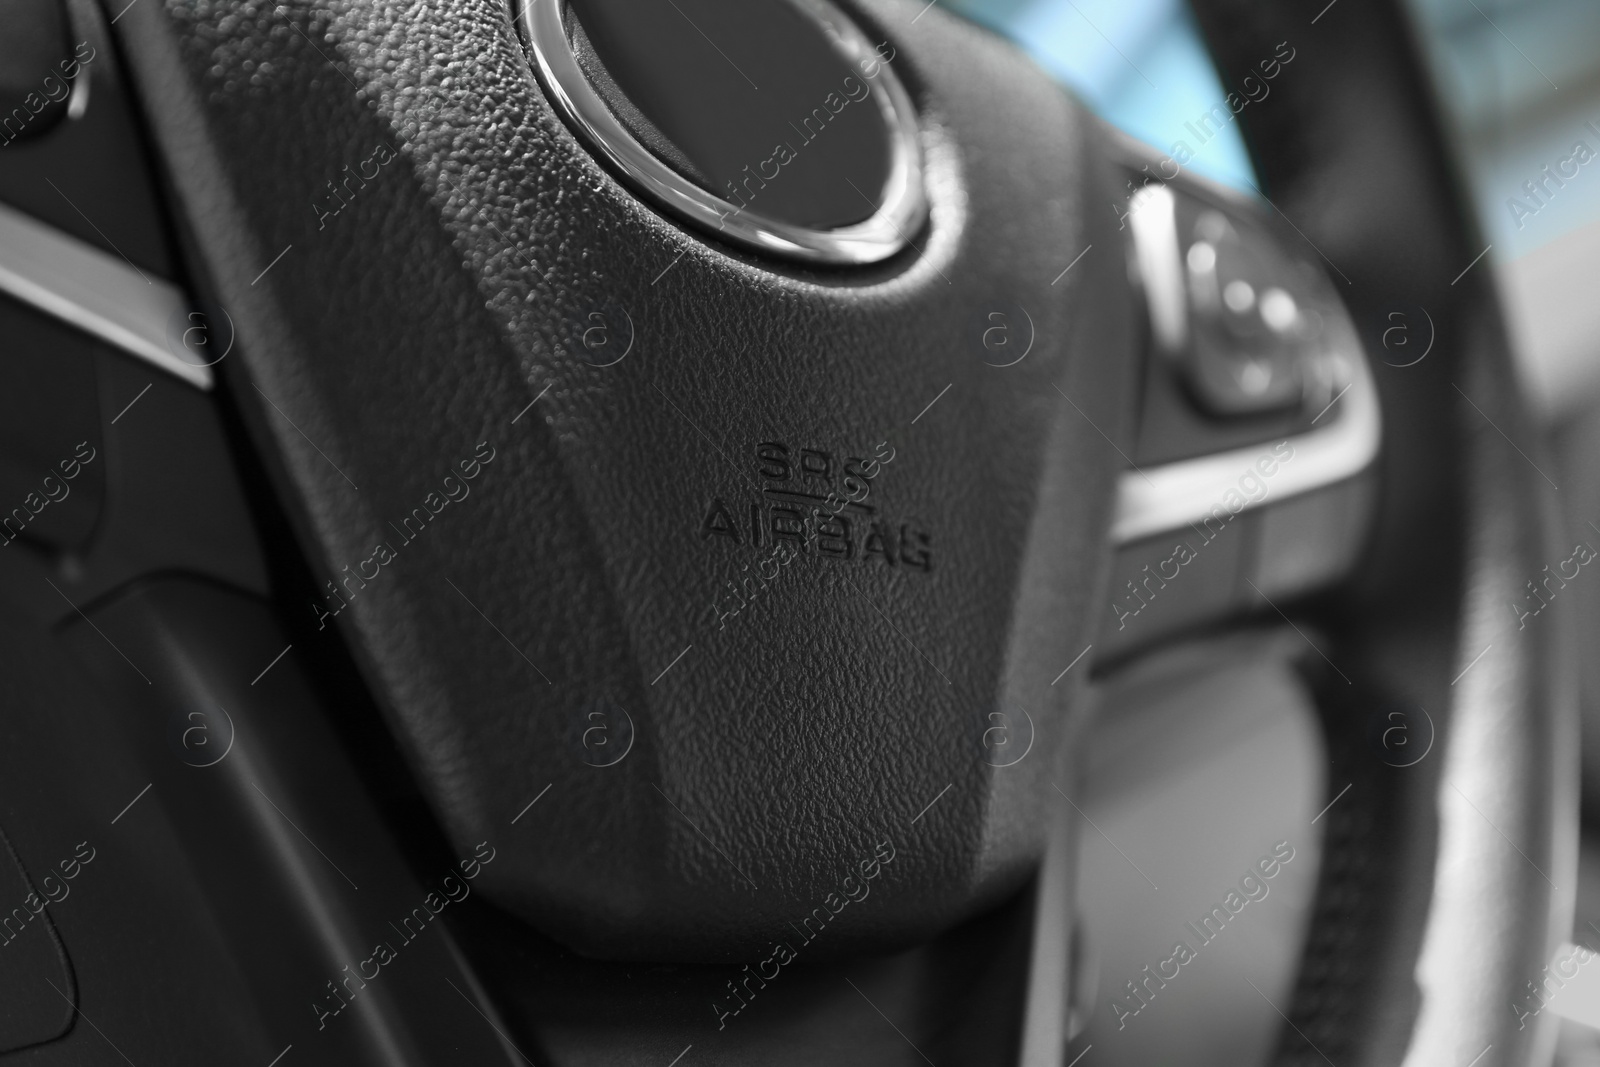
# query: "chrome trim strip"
1153,219
904,201
1048,1003
93,291
1170,497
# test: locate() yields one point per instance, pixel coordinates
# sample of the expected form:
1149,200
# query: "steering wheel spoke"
1249,479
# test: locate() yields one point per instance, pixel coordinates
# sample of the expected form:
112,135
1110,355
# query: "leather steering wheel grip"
1352,152
430,314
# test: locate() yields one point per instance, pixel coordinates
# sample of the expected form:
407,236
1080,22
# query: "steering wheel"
679,537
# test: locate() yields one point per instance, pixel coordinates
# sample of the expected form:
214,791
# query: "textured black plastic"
171,784
439,246
329,939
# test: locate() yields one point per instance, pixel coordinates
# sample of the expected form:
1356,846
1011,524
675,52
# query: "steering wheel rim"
1473,919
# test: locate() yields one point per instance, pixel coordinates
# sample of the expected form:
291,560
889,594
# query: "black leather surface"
1418,952
405,332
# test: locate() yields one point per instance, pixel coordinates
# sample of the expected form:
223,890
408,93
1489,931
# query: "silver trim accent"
1157,500
904,201
1047,1005
1173,495
94,292
1153,219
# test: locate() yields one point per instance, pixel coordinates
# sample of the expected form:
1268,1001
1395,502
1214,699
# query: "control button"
1165,584
1250,337
37,67
1312,540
